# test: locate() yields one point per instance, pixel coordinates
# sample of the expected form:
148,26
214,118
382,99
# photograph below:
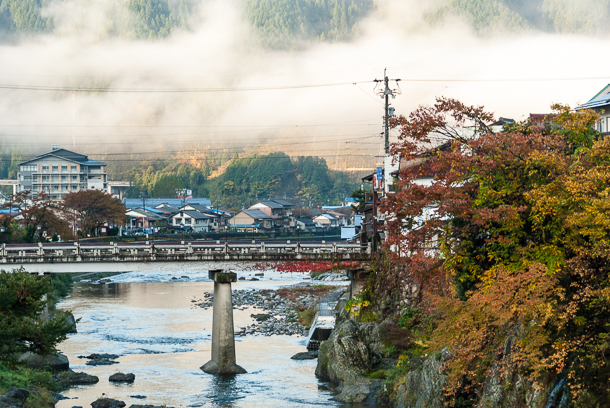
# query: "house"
192,220
600,103
147,219
167,209
279,210
326,220
306,225
220,217
60,172
252,219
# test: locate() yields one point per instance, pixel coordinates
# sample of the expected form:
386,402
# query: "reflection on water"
163,339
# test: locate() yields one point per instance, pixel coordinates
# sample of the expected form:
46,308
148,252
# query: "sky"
326,105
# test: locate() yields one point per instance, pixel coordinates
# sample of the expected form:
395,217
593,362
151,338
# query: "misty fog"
511,73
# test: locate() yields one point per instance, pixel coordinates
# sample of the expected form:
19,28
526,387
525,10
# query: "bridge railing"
167,250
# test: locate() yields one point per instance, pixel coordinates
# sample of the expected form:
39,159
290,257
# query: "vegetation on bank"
508,253
25,328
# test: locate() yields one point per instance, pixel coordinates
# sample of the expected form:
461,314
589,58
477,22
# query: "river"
150,321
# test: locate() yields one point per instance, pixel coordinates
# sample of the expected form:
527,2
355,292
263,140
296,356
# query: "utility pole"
385,93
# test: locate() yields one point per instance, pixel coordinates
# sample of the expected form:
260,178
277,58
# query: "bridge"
215,252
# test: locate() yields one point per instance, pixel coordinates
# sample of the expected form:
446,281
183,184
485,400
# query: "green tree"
23,327
167,186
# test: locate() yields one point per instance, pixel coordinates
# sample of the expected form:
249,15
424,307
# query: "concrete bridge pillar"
223,337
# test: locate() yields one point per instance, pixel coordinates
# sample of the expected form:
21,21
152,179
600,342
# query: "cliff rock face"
423,387
353,350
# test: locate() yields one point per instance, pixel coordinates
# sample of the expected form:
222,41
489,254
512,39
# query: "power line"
169,90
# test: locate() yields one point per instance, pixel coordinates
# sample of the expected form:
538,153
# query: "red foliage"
304,266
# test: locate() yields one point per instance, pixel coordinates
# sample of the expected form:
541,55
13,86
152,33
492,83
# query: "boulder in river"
107,403
306,355
122,378
54,362
261,317
14,398
69,378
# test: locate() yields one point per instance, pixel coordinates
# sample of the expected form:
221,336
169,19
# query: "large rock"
54,362
107,403
423,387
122,378
353,350
70,378
71,322
14,398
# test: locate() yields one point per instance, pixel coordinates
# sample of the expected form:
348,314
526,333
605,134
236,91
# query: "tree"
35,212
168,186
23,328
94,207
512,240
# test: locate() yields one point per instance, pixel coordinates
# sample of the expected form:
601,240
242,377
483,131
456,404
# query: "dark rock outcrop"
70,378
54,362
306,355
107,403
71,322
14,398
353,350
122,378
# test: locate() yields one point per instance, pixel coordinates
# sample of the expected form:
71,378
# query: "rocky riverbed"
276,312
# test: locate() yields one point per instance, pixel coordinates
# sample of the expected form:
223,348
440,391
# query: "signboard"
378,183
358,220
348,232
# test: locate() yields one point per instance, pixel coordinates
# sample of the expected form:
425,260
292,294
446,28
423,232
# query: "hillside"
294,24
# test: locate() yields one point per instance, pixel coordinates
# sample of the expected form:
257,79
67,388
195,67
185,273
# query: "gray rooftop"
67,155
258,214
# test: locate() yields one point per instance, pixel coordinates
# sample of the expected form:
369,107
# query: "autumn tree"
35,212
94,207
512,240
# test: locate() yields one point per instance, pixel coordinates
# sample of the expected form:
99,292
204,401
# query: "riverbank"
160,329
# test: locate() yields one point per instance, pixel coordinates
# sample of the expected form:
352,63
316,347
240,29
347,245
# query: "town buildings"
600,103
60,172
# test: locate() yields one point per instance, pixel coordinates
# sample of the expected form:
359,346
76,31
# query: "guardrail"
167,251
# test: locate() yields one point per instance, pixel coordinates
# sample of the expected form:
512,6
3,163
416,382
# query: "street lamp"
39,227
2,229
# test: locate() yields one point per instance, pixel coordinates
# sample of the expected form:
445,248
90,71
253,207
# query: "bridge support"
223,337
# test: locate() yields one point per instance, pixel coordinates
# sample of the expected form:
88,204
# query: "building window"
74,178
55,169
178,221
55,188
74,187
187,220
45,169
64,188
55,178
45,179
64,169
73,169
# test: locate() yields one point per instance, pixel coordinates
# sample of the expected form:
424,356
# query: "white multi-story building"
60,172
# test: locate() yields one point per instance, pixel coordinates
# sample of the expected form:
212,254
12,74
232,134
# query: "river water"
149,319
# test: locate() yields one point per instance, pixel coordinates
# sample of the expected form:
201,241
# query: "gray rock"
53,362
352,350
120,377
70,378
107,403
14,398
423,387
307,355
71,323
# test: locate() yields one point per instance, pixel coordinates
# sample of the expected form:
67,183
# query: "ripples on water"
164,340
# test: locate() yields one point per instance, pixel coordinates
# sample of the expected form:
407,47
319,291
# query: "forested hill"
561,16
290,24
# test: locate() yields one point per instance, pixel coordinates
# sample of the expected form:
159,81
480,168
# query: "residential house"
600,103
306,225
147,219
220,217
326,220
192,220
60,172
252,220
279,210
167,209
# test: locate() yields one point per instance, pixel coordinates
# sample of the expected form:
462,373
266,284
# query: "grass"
317,290
40,384
306,317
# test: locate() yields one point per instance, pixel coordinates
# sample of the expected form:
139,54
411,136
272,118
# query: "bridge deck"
171,251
